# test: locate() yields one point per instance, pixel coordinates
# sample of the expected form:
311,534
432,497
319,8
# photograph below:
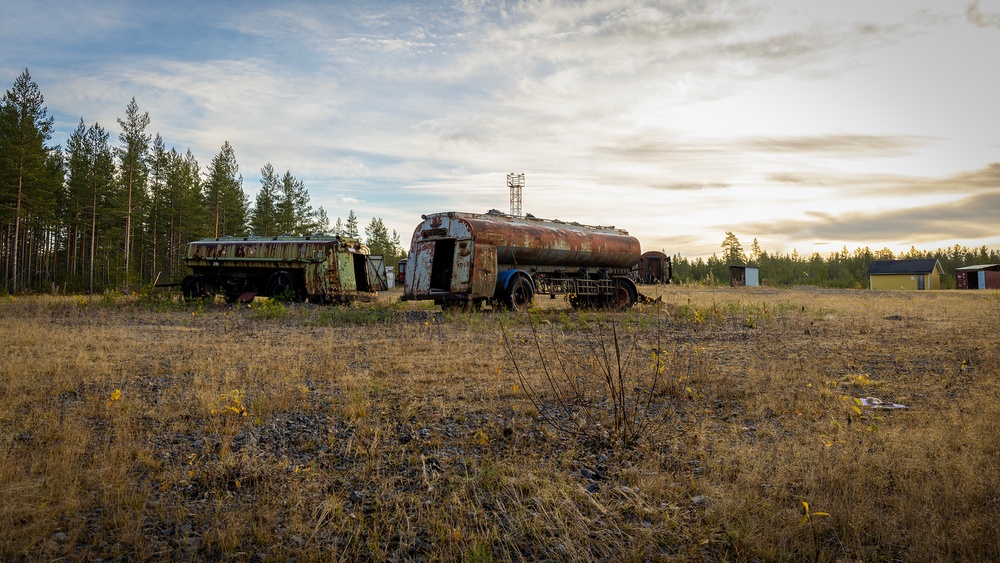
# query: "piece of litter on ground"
876,403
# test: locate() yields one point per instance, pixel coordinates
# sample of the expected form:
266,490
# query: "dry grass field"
717,425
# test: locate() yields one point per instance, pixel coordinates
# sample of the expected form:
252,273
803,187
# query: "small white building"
740,276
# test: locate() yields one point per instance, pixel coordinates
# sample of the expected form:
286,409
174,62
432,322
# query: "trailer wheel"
281,287
625,295
519,294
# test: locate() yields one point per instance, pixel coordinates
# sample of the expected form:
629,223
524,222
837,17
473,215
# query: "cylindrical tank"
529,241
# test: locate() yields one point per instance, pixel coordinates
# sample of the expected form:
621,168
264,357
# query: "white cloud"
676,120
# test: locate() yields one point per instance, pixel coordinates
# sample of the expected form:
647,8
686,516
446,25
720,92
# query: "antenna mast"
515,182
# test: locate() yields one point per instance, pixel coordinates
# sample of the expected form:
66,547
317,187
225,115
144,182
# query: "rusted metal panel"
461,273
419,263
343,278
313,274
375,270
484,271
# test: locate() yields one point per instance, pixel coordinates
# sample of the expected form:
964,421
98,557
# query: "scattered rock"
433,464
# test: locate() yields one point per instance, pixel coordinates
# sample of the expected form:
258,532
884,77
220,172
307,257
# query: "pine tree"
295,215
397,246
264,217
351,226
157,184
132,157
733,254
224,192
379,241
100,185
187,217
77,170
377,238
25,128
755,251
321,221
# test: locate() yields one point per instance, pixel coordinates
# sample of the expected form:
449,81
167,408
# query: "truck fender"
504,278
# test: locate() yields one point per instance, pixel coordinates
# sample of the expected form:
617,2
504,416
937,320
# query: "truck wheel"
192,287
281,287
519,294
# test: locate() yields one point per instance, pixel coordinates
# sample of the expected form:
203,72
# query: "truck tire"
282,286
519,294
193,287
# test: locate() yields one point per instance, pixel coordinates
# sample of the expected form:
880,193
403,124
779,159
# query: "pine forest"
108,212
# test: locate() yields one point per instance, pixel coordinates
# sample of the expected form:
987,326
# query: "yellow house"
905,274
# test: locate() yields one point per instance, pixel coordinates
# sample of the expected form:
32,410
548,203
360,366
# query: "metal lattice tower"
515,182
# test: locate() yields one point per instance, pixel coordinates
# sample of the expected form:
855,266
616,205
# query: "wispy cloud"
982,18
838,144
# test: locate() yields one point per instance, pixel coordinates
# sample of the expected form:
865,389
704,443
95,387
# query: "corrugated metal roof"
902,267
993,267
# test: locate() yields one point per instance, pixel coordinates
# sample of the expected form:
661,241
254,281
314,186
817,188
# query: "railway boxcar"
315,268
654,267
468,259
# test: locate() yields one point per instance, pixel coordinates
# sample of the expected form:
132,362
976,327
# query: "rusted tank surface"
467,258
536,241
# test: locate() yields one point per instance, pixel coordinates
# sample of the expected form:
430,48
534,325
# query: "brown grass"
387,433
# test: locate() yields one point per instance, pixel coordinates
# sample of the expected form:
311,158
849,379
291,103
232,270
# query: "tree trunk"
93,238
17,225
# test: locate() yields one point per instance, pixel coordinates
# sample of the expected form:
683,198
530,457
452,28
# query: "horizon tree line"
98,215
839,269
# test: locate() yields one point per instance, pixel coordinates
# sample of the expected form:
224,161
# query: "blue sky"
805,124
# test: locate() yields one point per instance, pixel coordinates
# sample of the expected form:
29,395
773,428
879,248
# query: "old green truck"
321,269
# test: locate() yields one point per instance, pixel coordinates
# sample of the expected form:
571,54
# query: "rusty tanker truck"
323,269
466,260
